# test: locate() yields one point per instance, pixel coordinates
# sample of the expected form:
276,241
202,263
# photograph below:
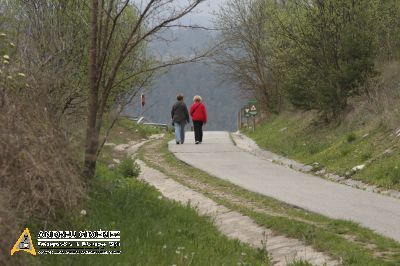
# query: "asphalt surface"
218,156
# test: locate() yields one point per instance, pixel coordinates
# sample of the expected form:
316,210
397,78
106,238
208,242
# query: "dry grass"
383,94
39,175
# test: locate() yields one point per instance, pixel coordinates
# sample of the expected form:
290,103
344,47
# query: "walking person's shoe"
197,142
177,143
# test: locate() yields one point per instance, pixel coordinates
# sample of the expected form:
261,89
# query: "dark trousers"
198,130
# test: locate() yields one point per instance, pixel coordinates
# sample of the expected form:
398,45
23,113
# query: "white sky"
202,15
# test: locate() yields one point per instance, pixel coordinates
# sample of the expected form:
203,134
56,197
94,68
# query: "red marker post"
142,103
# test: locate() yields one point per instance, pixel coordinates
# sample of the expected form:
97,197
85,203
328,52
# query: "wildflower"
164,247
6,62
7,57
83,212
186,257
2,34
12,44
159,197
181,247
9,77
21,75
243,254
159,233
177,251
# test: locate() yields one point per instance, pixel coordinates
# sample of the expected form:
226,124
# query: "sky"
202,15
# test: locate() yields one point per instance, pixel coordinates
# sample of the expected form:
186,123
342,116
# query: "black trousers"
198,130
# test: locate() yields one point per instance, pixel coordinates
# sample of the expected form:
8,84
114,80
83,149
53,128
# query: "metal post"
239,122
254,123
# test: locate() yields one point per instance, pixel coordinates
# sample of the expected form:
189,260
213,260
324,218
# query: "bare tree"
51,51
106,60
244,53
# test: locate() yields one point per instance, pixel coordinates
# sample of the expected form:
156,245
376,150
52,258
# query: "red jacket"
198,112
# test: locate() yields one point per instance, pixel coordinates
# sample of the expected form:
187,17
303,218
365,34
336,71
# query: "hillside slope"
370,145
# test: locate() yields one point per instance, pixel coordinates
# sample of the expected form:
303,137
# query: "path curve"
282,250
218,156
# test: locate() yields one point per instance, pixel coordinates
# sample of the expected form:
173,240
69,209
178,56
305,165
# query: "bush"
351,137
128,168
40,176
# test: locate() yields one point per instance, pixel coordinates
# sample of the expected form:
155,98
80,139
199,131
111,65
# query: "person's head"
179,97
197,98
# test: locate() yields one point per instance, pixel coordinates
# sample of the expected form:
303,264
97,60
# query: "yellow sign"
24,243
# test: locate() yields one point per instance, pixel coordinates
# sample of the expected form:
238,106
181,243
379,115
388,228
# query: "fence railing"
142,121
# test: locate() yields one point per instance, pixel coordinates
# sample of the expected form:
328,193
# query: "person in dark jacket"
180,116
199,117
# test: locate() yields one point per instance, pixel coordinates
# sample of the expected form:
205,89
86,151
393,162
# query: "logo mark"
24,243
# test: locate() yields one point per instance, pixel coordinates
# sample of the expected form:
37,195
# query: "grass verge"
345,241
154,230
338,148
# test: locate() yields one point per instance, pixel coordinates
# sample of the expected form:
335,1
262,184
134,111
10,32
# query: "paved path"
219,157
281,249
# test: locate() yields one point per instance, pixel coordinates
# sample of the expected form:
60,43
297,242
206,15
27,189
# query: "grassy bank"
154,230
337,148
345,241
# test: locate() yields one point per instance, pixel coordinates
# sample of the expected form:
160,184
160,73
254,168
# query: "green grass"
336,148
126,130
154,231
322,233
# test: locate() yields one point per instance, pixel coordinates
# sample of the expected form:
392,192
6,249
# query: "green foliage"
351,137
154,231
336,148
128,168
299,263
343,240
316,54
324,52
11,76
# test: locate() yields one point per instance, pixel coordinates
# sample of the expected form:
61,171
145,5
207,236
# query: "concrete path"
218,156
281,249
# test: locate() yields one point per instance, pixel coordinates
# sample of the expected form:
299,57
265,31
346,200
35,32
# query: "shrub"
366,156
40,176
351,137
128,168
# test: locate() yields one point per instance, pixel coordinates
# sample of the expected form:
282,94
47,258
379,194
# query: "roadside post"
253,111
142,103
247,114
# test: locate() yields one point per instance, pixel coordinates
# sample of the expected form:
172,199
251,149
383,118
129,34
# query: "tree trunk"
92,135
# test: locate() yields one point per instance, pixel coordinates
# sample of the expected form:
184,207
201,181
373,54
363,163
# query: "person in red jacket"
198,113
